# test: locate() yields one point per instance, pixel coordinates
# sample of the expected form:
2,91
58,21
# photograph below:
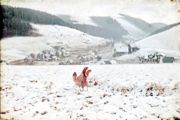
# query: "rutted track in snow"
48,92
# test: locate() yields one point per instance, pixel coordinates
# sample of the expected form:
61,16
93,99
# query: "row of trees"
15,26
17,21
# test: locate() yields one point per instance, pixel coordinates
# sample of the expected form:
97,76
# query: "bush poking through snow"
154,89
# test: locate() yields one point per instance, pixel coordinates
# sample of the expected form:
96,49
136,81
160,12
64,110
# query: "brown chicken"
81,80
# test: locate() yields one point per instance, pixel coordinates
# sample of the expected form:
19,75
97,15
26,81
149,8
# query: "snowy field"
121,92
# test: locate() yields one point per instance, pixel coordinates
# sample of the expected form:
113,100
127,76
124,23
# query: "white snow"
134,31
167,42
48,92
80,19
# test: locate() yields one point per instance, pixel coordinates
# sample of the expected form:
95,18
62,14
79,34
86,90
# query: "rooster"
81,80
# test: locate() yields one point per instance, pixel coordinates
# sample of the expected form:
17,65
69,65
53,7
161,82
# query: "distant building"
168,59
119,50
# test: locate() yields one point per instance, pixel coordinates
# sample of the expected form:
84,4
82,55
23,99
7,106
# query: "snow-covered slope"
117,20
131,92
119,27
136,28
165,42
15,48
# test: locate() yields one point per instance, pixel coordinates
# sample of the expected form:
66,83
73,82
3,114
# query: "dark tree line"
15,26
16,21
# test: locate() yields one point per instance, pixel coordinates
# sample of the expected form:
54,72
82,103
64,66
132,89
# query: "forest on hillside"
16,21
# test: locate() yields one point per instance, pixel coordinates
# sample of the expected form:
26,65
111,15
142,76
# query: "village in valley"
61,55
64,57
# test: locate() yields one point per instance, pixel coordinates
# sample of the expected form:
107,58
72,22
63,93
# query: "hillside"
166,42
51,37
98,21
119,28
17,20
17,23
